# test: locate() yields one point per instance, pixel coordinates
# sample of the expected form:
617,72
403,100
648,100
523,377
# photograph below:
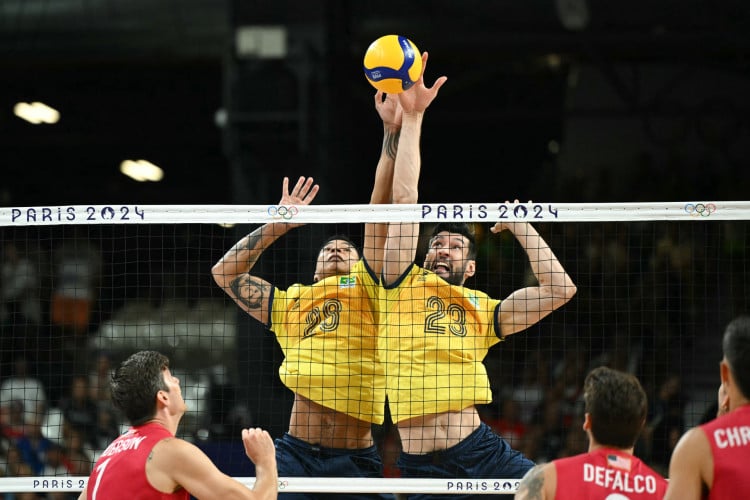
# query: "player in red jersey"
615,414
710,461
149,462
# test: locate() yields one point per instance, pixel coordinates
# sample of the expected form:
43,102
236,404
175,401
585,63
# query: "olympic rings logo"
283,484
700,209
282,212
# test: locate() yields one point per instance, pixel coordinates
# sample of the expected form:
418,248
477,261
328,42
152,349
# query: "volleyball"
392,64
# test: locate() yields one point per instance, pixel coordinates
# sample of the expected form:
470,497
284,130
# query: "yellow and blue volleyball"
392,64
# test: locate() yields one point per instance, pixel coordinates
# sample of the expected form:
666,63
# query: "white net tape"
430,212
303,485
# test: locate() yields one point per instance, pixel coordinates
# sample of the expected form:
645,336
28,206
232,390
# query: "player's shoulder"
172,449
174,445
537,481
693,443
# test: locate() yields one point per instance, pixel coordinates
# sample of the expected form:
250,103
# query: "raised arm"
401,244
232,271
389,110
181,463
529,305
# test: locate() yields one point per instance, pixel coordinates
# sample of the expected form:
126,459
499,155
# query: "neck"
738,402
596,446
166,423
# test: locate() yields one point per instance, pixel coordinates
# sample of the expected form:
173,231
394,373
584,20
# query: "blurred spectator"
80,412
56,462
107,427
530,393
33,446
24,387
16,467
76,274
508,424
665,422
669,284
108,418
20,305
78,458
19,288
54,465
569,375
546,435
99,379
13,422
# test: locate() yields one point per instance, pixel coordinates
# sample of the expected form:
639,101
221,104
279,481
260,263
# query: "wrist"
412,118
265,469
391,128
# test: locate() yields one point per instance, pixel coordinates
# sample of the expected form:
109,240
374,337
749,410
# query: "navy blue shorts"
483,454
297,458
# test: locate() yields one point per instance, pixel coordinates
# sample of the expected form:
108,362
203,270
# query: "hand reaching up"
303,193
419,96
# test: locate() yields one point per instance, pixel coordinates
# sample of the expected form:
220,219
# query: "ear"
586,422
162,397
471,268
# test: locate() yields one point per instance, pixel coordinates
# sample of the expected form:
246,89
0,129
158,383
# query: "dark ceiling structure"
164,81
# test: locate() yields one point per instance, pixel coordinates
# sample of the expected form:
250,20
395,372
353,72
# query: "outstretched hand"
303,193
419,96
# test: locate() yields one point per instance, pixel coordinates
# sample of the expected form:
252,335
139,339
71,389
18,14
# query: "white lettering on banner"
731,437
617,480
123,445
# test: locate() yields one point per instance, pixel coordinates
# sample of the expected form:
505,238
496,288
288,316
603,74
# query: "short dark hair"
135,384
617,405
462,228
338,237
736,347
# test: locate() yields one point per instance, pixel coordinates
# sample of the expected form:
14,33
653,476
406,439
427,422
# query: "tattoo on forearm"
390,144
250,291
249,244
532,485
253,239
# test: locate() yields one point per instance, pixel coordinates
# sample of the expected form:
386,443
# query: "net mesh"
84,287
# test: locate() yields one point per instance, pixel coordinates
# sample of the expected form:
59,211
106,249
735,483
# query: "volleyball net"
84,287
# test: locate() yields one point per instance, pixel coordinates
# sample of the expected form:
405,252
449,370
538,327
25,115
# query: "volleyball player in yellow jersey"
328,333
437,332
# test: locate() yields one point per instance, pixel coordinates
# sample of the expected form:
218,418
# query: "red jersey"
605,471
120,471
729,437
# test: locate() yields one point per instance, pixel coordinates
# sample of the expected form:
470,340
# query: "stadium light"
36,112
141,170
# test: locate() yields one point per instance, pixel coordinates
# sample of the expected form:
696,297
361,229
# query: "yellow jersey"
433,340
328,333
